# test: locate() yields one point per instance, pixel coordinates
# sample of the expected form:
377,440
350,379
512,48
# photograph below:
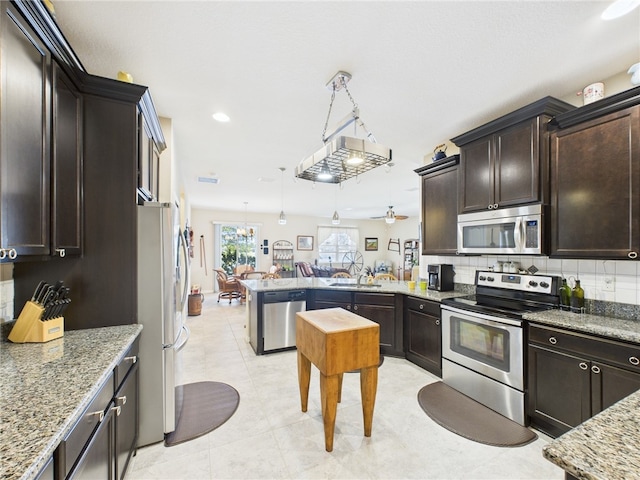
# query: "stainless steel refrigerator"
163,276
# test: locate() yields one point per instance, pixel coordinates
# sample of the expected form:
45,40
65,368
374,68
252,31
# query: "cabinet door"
24,137
67,166
96,462
475,191
559,396
126,422
383,316
517,164
611,384
440,212
424,346
595,188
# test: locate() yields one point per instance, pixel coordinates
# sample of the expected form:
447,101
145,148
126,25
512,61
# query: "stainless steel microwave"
506,231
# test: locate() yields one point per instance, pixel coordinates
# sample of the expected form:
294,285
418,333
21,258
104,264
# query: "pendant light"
282,220
335,220
342,157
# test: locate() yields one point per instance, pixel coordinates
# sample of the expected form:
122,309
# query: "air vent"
213,180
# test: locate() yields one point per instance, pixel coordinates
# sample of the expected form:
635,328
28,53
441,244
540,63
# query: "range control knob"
533,283
482,278
490,279
544,284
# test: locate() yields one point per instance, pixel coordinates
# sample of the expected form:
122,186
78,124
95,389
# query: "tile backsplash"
602,280
6,293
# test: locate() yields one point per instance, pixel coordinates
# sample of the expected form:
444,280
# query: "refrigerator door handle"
185,286
183,343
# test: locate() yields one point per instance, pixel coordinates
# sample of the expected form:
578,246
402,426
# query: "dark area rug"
204,406
469,419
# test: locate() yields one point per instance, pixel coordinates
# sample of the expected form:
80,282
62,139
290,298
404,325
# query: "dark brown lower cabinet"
126,422
383,308
573,376
423,334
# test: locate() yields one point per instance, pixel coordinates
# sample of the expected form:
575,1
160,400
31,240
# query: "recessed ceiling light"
221,117
619,8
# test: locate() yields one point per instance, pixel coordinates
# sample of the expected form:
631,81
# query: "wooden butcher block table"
337,341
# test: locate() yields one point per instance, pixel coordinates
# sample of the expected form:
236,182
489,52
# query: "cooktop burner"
509,295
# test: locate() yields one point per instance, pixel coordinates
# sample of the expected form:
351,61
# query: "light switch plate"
609,284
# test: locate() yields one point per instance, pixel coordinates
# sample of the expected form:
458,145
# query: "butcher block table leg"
337,341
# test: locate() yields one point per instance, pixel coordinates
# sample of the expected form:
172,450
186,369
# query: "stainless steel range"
483,346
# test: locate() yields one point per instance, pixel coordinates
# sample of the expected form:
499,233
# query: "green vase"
565,294
577,297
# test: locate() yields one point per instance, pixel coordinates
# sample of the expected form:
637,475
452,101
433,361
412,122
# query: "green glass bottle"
565,295
577,297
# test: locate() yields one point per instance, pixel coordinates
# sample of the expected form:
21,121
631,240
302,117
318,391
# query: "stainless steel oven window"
484,343
489,235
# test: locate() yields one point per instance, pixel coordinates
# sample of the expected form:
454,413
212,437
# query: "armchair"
227,287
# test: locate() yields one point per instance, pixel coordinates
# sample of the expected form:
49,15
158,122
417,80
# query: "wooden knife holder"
30,328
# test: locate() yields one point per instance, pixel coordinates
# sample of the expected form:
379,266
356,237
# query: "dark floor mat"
469,419
205,406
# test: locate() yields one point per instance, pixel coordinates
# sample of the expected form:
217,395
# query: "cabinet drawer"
422,305
610,351
129,360
333,296
375,298
70,448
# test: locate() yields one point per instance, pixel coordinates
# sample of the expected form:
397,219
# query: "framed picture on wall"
371,244
305,242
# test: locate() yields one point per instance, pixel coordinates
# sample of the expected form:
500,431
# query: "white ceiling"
423,72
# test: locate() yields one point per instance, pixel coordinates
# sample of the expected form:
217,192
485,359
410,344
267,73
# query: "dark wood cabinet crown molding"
438,165
546,106
607,105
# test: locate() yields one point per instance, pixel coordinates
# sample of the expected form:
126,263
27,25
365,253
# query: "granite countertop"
615,328
605,447
46,386
346,284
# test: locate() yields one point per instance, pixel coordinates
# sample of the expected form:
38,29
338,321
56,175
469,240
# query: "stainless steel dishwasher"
279,310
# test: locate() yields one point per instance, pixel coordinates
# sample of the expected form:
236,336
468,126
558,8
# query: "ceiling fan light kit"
342,157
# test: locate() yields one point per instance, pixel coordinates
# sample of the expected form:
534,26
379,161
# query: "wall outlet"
609,284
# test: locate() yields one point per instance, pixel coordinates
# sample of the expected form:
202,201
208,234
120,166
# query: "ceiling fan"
391,216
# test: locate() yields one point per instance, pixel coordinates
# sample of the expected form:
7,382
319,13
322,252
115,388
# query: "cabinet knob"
355,307
121,400
583,366
118,409
632,254
61,252
8,252
634,360
490,207
421,306
348,307
595,369
553,340
495,206
437,322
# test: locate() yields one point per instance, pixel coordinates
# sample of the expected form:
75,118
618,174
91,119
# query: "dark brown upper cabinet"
440,206
25,93
505,163
595,180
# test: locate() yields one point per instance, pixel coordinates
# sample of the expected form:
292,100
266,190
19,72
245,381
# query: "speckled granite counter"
626,330
346,284
605,447
46,386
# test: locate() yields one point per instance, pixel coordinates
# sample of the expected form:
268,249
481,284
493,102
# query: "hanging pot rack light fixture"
282,219
343,157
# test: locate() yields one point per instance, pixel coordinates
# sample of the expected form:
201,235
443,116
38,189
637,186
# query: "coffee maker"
440,277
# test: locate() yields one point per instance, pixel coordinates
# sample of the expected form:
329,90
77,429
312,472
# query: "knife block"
29,327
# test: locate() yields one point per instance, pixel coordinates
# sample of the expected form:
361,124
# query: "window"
237,246
334,242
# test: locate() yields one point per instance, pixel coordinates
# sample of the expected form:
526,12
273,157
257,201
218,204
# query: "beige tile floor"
270,438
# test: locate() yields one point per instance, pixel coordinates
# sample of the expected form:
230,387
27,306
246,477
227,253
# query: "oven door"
490,346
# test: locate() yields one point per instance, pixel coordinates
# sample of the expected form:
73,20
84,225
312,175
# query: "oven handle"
488,318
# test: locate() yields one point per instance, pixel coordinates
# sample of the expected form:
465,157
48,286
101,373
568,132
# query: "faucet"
360,276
